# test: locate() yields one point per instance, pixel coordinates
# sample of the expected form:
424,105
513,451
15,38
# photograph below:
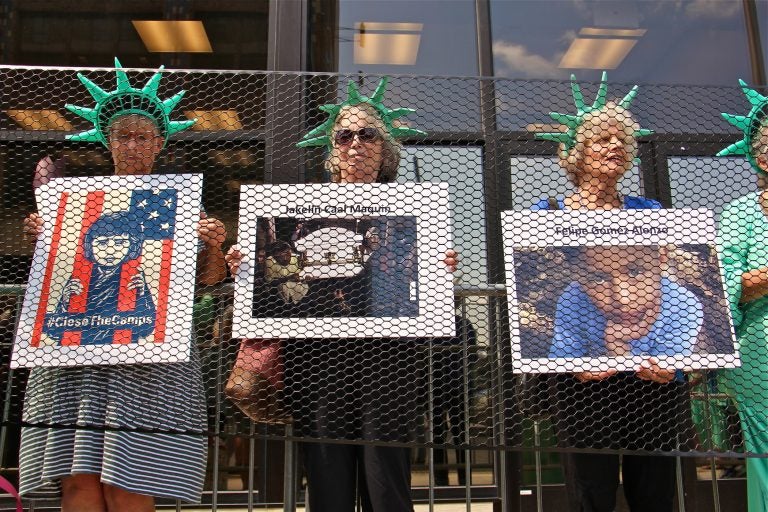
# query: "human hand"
73,287
650,370
137,283
451,260
595,376
211,231
33,227
233,258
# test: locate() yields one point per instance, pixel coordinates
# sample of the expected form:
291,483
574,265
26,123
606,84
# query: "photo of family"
314,268
324,267
592,307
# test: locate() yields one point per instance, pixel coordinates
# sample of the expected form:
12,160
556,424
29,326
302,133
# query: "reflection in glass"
656,41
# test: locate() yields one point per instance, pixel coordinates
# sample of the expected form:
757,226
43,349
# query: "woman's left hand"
650,370
451,260
211,231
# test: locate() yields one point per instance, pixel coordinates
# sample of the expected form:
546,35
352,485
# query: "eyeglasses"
345,136
139,137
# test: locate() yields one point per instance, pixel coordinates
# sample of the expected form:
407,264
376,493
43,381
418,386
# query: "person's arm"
211,266
734,245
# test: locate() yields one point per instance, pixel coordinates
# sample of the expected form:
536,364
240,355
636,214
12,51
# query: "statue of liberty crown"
748,124
127,100
572,122
322,135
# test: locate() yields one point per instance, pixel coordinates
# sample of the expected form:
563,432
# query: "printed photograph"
354,267
621,300
601,290
344,260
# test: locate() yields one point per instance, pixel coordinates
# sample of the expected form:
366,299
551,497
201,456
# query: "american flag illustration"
105,307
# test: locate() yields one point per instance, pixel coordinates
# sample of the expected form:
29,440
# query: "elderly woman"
112,465
742,240
607,409
357,389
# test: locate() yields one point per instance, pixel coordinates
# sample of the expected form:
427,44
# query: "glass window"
537,177
762,22
654,42
462,169
421,37
651,41
697,181
426,37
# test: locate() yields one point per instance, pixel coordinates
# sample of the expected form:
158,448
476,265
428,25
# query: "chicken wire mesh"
453,390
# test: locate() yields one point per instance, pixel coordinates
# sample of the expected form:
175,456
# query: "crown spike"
91,135
353,92
84,112
629,98
123,84
321,135
170,103
178,126
96,92
740,122
153,83
578,97
126,100
749,125
602,92
381,89
572,122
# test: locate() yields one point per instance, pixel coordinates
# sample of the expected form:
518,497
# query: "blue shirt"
580,325
629,203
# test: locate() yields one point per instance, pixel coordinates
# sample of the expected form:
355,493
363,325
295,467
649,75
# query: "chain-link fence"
342,290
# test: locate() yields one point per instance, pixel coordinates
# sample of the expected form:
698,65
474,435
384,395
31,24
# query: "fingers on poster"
109,279
343,260
599,290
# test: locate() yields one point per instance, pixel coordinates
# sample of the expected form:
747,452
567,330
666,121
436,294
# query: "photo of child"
118,306
623,304
620,301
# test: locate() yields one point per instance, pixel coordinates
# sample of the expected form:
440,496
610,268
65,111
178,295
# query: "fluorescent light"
82,158
232,157
596,53
613,32
545,127
45,119
600,48
162,36
387,43
212,120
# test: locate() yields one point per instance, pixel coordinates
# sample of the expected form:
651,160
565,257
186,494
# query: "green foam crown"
322,135
127,100
572,122
748,124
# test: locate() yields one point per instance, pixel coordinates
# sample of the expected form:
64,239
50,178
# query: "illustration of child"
118,303
624,305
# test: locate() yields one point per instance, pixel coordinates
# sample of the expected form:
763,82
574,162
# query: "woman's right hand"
595,376
73,287
233,258
33,227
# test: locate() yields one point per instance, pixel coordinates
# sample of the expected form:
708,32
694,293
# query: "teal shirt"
743,244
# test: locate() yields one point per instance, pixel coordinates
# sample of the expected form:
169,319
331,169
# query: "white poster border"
178,330
428,202
557,228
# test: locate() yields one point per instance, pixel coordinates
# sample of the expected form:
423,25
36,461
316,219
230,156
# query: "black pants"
335,472
649,481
